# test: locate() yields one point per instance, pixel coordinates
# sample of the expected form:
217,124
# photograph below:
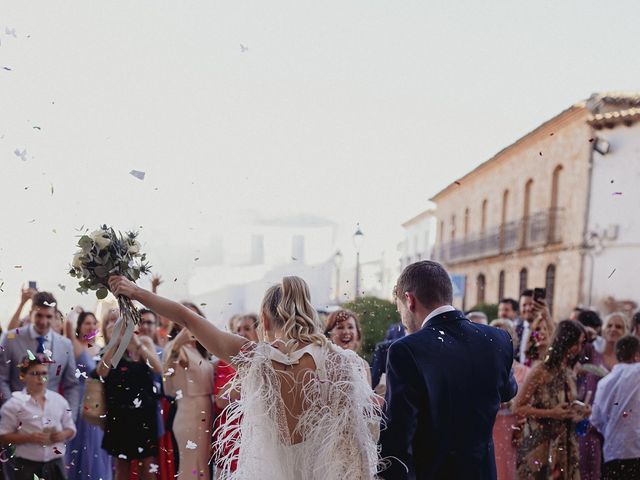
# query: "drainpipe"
584,246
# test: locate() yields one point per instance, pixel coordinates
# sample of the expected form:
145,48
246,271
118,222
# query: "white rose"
134,249
100,240
77,262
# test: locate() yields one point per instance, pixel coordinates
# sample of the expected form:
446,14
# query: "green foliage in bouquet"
104,253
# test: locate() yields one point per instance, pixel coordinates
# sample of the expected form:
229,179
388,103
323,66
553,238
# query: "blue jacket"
445,384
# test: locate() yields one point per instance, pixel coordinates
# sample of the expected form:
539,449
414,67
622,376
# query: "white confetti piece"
137,402
123,457
178,394
153,468
21,154
140,449
138,174
80,374
191,445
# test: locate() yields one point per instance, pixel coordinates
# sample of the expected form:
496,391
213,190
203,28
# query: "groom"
445,383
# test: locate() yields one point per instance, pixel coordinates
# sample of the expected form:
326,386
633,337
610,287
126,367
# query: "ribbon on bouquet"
127,324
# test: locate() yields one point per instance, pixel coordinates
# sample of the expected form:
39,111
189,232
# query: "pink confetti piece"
91,336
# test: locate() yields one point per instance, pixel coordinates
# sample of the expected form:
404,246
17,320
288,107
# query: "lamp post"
337,261
358,239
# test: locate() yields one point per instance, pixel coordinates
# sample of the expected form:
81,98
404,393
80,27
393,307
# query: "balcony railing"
540,229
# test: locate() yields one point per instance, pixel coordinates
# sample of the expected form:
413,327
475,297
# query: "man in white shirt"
616,412
38,422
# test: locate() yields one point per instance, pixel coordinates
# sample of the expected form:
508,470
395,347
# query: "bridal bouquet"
103,253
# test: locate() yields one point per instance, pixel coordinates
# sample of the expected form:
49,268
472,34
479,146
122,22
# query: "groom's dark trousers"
445,384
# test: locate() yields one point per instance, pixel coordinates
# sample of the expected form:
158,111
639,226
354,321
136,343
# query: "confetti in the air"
22,154
191,445
611,274
244,49
178,394
91,335
617,193
138,174
52,304
10,31
153,468
8,69
31,355
137,402
80,374
36,127
62,287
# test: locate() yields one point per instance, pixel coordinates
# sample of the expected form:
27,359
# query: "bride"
306,408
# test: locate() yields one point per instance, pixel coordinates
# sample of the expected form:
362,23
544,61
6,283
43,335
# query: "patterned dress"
548,448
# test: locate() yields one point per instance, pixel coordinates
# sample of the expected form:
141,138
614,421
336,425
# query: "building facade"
420,238
536,214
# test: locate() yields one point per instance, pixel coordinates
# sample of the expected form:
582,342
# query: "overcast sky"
354,111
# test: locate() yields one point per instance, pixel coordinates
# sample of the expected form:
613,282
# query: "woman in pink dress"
506,422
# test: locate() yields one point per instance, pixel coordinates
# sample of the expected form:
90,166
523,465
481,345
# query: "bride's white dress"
310,414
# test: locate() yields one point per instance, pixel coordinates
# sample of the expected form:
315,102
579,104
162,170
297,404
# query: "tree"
376,316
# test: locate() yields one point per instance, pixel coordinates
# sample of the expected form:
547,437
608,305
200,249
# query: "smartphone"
539,294
33,285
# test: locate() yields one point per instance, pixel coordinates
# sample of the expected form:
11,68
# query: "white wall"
420,237
617,171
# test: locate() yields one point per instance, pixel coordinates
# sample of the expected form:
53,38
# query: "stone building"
555,209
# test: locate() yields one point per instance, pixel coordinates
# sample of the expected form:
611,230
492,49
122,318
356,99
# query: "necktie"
41,341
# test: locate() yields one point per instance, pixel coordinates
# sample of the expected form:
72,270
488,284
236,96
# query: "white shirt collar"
438,311
33,334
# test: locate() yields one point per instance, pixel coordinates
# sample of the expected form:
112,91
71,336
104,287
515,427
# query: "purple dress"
85,457
590,444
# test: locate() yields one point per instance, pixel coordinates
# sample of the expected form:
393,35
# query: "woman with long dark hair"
547,401
85,457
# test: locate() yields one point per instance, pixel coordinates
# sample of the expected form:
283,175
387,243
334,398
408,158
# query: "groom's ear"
410,300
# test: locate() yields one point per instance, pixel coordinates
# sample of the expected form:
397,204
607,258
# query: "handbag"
94,408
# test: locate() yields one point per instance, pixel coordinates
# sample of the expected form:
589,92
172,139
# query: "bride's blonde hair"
288,306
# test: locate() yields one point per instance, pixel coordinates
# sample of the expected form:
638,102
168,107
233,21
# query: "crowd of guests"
576,412
163,401
575,416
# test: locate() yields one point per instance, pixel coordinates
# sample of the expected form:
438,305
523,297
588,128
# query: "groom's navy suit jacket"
444,388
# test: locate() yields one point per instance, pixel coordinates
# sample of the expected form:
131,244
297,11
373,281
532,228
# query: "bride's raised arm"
222,344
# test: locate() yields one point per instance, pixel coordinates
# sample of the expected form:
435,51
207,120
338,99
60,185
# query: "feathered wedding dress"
310,414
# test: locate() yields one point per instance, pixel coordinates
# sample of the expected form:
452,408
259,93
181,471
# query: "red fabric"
166,454
224,373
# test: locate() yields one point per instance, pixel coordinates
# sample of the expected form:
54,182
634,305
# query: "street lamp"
337,261
358,239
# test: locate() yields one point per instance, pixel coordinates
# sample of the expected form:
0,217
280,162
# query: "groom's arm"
401,413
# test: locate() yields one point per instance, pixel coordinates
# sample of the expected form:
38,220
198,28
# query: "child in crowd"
38,422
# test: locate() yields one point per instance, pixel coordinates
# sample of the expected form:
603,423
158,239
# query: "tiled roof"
611,119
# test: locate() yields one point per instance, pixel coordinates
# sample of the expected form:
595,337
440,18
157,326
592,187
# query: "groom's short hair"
428,281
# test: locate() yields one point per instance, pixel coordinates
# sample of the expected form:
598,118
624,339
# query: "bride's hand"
121,286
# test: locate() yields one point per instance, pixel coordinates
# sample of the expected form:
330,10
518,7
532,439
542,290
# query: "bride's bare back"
306,414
